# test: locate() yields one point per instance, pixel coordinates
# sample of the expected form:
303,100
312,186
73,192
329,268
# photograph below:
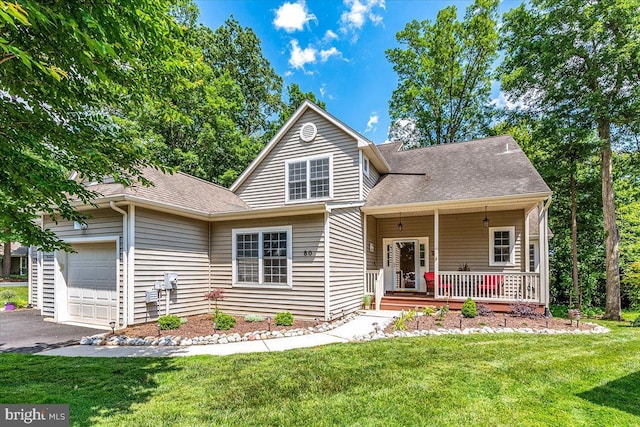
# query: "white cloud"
359,12
372,124
293,17
300,57
501,101
328,53
323,90
329,36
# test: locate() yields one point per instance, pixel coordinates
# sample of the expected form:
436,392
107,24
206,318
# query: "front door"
401,265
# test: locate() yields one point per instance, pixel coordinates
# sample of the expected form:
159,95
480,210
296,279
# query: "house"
320,217
19,259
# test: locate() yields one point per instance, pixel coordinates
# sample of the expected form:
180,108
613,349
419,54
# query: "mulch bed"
202,325
452,320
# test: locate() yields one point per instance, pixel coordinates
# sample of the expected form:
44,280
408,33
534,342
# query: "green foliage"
65,88
367,299
169,321
224,321
636,322
283,319
428,311
7,295
400,324
444,74
253,318
469,308
441,312
573,64
561,311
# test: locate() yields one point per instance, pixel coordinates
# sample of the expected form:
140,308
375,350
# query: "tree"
235,51
581,60
66,71
444,73
6,259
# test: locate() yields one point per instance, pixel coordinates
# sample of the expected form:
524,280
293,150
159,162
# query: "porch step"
394,302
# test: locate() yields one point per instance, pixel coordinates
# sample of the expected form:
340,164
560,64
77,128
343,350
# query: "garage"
91,283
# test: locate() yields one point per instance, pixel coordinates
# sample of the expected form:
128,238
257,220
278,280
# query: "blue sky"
334,48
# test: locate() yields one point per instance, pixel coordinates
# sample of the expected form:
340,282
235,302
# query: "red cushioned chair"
491,284
429,277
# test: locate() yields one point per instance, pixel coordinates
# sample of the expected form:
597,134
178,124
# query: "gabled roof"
374,155
179,190
478,169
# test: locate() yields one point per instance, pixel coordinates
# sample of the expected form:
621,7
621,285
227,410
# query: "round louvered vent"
308,132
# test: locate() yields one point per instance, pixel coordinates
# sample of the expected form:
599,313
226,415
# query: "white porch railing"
489,286
374,285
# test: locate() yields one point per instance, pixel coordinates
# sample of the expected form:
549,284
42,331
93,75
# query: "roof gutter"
465,203
306,209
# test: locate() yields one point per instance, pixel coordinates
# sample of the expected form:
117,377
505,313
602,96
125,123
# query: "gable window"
262,256
309,178
365,165
502,246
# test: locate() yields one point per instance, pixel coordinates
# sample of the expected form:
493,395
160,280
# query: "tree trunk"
574,241
6,260
613,309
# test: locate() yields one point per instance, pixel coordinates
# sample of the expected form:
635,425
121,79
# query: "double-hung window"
262,256
502,246
309,178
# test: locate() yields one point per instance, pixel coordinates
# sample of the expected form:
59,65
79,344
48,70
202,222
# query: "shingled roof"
478,169
180,190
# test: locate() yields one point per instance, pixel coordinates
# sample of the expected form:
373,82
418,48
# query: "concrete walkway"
361,325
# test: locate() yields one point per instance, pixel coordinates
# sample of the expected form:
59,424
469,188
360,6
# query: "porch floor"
419,300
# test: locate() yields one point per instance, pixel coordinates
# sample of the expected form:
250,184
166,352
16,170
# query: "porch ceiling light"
400,223
485,221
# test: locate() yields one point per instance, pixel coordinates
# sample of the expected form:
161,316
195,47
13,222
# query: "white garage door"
91,283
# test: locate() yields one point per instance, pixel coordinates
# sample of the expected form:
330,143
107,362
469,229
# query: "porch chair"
429,278
491,285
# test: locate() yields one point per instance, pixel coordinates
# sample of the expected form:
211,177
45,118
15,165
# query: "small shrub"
400,324
7,295
441,312
484,310
636,323
169,321
253,318
559,311
367,299
20,303
524,309
428,311
224,321
283,319
469,309
215,295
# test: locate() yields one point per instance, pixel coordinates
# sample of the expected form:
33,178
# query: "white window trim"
536,261
512,246
366,165
308,159
260,230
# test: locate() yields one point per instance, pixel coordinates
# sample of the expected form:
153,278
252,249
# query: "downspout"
125,266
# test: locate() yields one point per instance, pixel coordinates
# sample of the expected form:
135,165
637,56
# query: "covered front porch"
493,252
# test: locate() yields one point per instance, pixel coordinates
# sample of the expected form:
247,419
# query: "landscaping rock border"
218,338
379,333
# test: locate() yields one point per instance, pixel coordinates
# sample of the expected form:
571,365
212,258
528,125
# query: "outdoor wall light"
400,227
112,324
485,221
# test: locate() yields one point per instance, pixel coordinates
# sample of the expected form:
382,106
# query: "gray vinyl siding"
48,287
368,182
265,187
372,232
171,244
103,222
305,299
346,260
463,239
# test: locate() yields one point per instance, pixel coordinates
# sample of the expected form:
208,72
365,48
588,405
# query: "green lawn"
449,380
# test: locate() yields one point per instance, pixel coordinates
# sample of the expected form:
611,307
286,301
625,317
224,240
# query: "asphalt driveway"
26,332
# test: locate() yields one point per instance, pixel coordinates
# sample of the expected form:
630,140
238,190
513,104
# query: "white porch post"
546,255
542,247
436,249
